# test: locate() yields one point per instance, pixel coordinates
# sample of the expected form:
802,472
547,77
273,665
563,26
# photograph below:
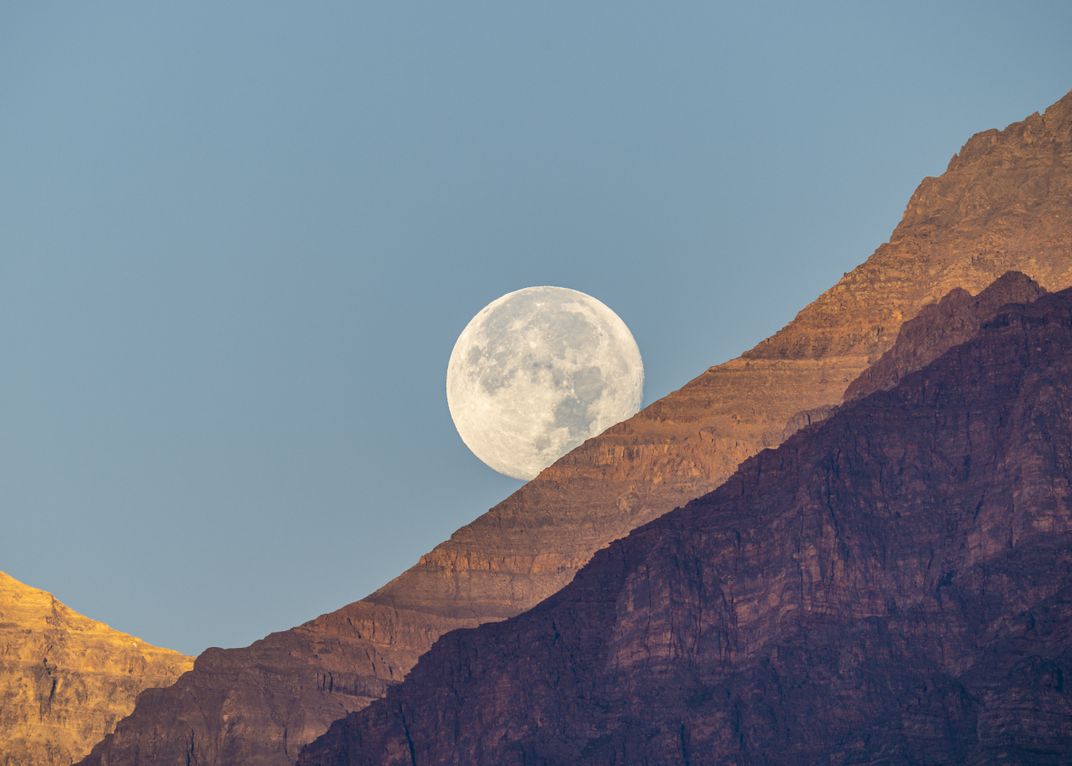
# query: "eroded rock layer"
66,679
893,585
939,327
1005,203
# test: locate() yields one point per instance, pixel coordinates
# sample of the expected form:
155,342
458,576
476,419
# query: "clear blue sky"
238,240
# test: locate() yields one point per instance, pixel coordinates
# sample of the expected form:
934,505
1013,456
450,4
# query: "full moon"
537,372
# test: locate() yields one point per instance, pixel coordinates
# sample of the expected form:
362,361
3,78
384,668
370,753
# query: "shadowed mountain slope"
936,329
1004,203
66,679
939,327
891,586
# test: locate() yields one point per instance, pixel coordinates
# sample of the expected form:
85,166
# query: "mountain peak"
66,679
1053,126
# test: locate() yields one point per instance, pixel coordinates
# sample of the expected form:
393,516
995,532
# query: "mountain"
66,679
1004,203
938,327
893,585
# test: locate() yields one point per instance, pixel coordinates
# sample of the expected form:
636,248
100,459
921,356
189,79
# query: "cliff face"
65,679
1005,203
893,585
939,327
936,329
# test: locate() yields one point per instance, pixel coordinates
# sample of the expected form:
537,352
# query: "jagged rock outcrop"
66,679
893,585
1005,203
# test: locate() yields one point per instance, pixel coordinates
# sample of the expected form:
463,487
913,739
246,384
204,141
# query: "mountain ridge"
891,585
940,326
65,679
1004,205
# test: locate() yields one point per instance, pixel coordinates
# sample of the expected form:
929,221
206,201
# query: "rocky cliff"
893,585
939,327
1004,203
936,329
66,679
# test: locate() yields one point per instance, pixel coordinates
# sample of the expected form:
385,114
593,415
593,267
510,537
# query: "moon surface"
537,372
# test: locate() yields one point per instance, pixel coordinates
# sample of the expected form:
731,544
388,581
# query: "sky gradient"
238,242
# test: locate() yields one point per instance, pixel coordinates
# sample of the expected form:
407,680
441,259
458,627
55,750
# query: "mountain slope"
1004,203
938,327
933,331
891,586
66,679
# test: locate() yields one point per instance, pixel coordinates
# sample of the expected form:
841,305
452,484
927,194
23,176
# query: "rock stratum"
938,327
1004,203
66,679
893,585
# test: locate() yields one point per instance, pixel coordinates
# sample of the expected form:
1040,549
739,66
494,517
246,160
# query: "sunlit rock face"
538,371
65,679
893,585
1005,203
